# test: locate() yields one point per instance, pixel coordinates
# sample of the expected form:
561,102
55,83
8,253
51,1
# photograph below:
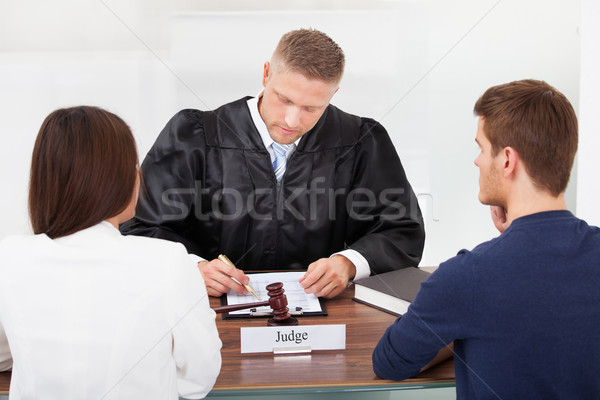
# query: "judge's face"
490,170
291,104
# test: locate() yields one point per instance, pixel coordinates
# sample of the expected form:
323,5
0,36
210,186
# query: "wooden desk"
341,369
335,370
4,382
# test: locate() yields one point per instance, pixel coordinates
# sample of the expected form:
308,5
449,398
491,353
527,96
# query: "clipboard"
252,313
299,303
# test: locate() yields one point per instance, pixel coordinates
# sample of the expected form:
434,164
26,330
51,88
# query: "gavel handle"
235,307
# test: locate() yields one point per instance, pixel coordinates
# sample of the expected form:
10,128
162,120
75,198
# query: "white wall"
588,189
480,44
417,66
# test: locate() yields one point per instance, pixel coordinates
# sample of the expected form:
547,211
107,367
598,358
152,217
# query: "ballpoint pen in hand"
226,260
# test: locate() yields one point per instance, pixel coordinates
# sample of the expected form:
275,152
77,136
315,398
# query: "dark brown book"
391,291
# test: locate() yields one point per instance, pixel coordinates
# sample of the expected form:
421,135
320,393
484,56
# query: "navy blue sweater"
523,311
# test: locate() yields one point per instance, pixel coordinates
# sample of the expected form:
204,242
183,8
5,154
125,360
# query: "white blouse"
98,315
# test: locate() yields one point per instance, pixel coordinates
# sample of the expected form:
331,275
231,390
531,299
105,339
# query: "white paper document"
298,301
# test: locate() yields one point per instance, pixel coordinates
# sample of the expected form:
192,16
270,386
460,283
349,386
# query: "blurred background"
416,66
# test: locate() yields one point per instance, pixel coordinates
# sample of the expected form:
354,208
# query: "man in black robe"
337,202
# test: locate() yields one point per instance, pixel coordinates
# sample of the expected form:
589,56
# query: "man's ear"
510,161
266,73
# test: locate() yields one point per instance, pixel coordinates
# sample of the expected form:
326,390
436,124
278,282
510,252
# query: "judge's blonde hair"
311,53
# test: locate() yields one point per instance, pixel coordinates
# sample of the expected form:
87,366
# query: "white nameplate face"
289,338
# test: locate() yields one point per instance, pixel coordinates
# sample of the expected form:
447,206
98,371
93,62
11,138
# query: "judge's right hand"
218,277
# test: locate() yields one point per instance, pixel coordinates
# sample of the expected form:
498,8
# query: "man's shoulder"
480,255
192,128
339,116
187,115
338,128
528,239
196,115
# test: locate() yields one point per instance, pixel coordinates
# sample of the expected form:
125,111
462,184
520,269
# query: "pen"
226,260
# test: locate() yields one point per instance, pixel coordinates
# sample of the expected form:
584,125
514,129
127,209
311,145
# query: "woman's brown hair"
83,170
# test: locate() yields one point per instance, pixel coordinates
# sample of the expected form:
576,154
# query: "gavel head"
278,303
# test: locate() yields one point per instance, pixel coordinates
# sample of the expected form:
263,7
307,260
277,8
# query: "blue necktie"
280,161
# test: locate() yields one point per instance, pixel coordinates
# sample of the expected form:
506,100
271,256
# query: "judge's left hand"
328,277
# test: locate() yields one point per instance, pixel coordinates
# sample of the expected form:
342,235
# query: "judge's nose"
292,117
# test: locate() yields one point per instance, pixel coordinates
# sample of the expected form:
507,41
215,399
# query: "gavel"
277,301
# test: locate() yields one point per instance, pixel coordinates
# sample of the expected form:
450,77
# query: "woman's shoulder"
18,242
156,251
166,260
22,249
154,245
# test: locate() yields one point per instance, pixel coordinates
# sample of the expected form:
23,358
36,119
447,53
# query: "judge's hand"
218,277
499,218
328,277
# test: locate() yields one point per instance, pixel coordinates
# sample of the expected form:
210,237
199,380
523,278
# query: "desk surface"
349,368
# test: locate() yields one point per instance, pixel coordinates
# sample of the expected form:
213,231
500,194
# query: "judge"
283,180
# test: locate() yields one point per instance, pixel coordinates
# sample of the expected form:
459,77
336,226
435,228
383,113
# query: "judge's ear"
266,73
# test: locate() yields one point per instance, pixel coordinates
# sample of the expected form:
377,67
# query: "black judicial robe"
210,185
